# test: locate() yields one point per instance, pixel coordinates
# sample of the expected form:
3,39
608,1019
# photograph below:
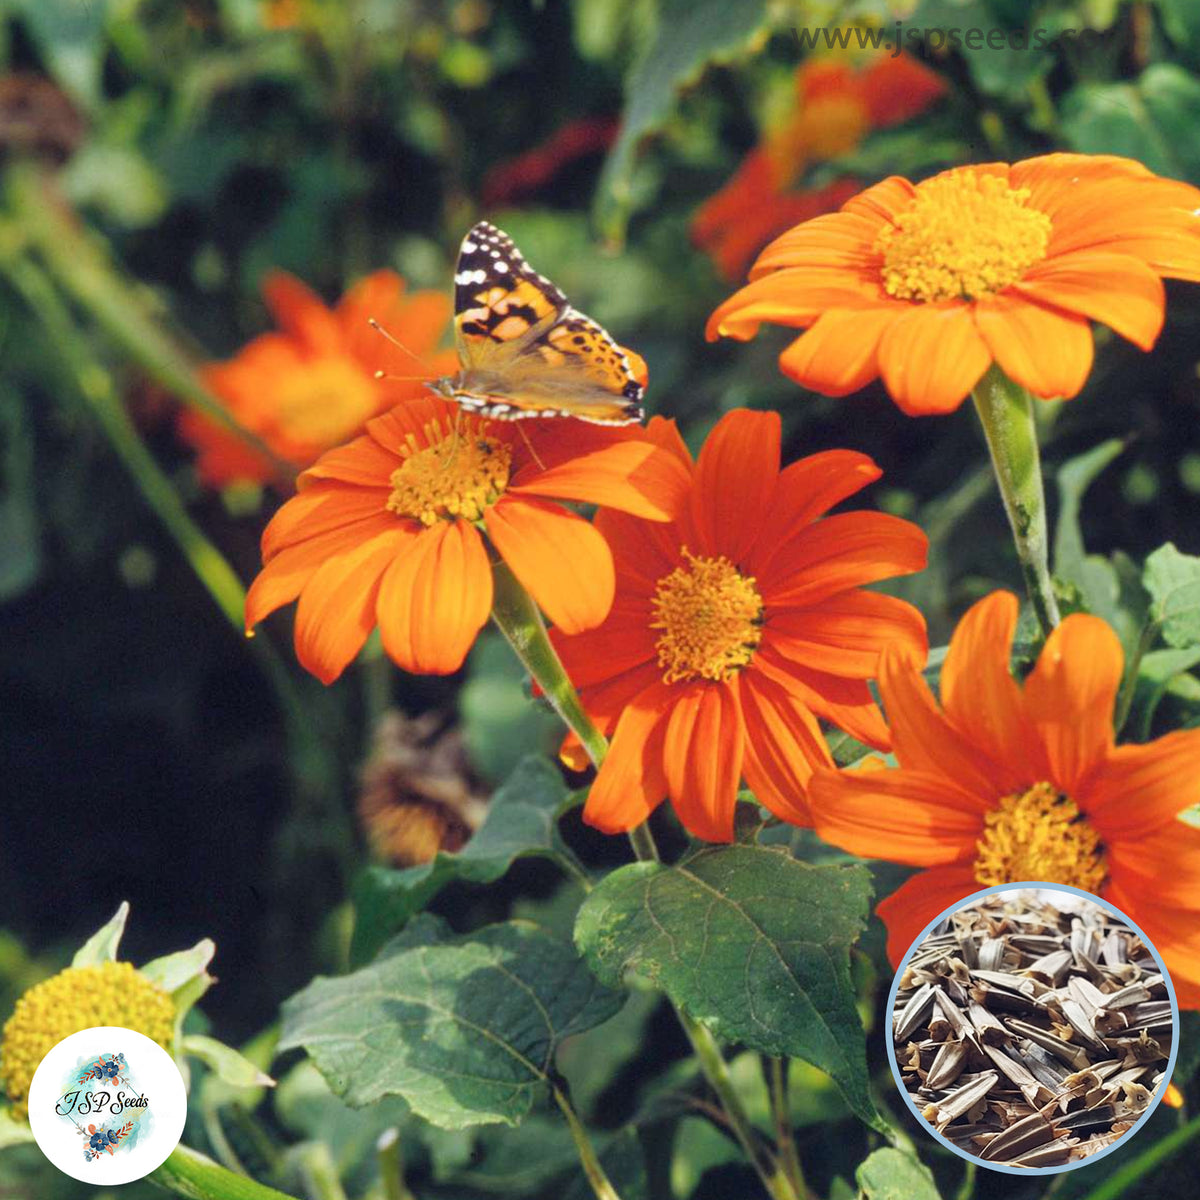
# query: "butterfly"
524,351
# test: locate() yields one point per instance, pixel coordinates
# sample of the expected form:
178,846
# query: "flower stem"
187,1173
1006,412
599,1182
518,618
391,1166
789,1157
81,268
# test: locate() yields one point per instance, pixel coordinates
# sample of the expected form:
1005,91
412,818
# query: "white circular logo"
107,1105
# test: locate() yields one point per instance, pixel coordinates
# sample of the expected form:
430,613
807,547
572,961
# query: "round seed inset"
1033,1028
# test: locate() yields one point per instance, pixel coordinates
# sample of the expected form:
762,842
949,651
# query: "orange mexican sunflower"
926,285
735,627
1007,782
835,106
395,529
312,385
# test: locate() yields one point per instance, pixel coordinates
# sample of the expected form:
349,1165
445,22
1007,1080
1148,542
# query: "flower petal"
795,297
838,355
922,738
1117,290
931,356
735,479
846,703
362,462
337,606
300,312
1164,864
834,241
633,476
1069,697
624,641
434,599
783,746
563,562
282,579
1047,351
846,633
632,781
983,700
917,901
319,509
1139,789
702,755
841,552
914,817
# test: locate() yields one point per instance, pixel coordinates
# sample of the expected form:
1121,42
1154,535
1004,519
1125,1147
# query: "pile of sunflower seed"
1031,1036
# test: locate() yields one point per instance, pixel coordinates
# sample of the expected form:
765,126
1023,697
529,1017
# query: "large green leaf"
890,1174
1155,120
691,36
1173,581
522,819
465,1029
749,941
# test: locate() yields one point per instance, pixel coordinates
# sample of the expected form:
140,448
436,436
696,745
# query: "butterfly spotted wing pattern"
525,352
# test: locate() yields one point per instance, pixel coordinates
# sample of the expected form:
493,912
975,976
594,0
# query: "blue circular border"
891,1044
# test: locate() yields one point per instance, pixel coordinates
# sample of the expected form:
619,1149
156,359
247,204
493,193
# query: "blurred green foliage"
201,143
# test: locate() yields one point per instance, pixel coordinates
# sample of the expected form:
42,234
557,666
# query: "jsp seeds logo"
107,1105
104,1086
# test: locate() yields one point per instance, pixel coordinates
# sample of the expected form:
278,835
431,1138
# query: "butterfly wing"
524,350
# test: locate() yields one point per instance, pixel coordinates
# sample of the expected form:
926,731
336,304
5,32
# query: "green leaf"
890,1174
464,1029
749,941
1155,120
522,819
1156,672
172,971
101,947
691,36
70,36
1173,581
225,1061
1074,478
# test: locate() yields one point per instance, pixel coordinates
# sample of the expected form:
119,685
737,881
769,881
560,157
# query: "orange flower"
927,285
518,178
835,106
1005,783
735,627
312,385
390,530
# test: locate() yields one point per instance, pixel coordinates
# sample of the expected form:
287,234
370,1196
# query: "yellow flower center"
457,472
325,403
965,235
711,619
1040,834
112,993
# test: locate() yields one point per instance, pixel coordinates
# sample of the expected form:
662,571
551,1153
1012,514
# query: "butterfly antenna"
391,337
529,445
456,440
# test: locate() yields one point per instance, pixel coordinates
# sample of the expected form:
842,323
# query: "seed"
1046,1033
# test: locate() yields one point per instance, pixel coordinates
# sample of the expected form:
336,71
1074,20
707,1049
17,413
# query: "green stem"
967,1188
1125,1176
83,270
318,1172
1006,412
100,394
391,1167
189,1174
518,619
599,1182
789,1156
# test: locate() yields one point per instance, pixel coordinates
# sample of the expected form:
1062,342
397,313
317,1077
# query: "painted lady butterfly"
524,351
